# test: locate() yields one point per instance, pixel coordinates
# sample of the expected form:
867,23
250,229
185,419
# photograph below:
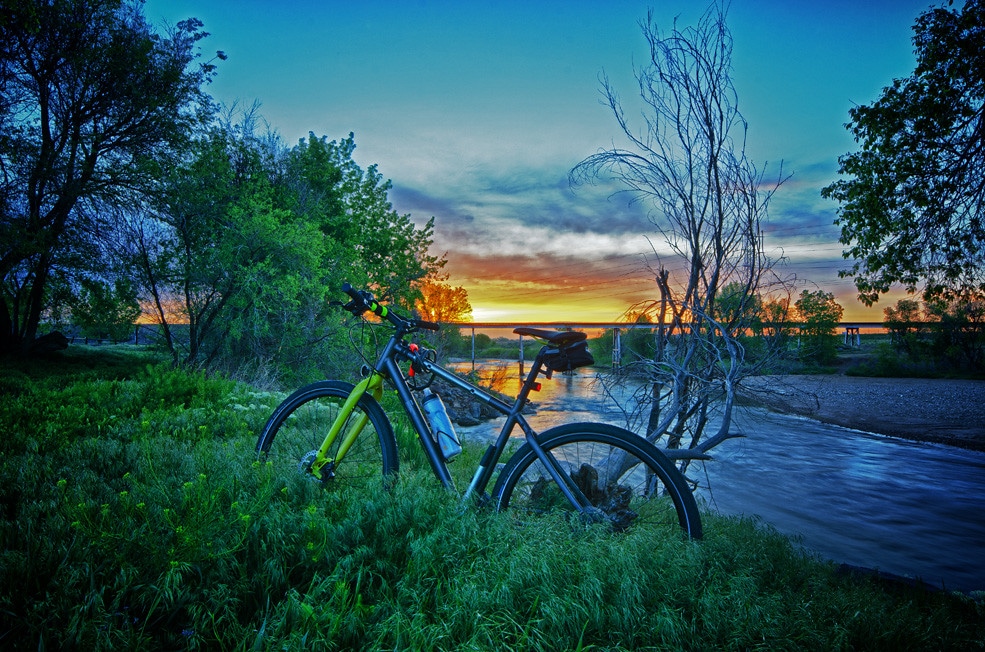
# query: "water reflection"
906,508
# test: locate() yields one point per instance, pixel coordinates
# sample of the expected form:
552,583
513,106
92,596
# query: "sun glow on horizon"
489,305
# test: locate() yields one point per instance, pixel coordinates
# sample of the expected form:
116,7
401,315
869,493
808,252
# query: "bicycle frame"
387,368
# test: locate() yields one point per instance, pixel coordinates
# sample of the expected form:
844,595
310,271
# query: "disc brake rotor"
304,466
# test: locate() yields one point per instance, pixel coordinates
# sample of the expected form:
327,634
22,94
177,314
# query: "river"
911,509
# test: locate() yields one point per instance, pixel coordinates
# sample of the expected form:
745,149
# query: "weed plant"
134,515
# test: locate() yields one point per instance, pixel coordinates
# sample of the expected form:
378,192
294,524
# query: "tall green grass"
133,515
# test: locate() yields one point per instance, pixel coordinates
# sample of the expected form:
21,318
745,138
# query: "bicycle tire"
656,495
297,428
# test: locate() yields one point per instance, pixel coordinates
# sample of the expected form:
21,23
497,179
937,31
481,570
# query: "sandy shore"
945,411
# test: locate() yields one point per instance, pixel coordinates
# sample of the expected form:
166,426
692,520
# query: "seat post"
530,381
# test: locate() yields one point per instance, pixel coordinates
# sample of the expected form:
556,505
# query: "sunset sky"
477,111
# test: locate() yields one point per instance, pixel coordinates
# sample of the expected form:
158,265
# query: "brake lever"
353,307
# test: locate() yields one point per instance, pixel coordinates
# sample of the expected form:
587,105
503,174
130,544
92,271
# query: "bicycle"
336,432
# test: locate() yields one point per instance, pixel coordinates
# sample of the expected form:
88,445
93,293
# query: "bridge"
852,331
615,327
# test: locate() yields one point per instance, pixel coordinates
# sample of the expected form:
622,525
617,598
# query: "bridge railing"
852,331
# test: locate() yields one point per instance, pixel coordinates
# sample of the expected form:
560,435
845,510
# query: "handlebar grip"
363,301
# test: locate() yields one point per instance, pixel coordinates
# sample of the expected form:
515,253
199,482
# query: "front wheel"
297,429
625,478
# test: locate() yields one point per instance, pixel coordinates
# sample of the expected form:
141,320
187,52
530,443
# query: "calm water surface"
907,508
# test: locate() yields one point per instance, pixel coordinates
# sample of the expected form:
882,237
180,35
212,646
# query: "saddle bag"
570,357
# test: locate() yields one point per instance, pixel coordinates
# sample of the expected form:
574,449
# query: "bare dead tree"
687,163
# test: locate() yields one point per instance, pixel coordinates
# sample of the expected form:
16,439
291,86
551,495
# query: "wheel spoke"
620,475
291,439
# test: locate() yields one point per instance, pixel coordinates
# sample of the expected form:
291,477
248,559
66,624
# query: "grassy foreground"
133,515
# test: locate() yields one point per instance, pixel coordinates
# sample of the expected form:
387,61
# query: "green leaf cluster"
104,311
912,201
250,240
937,338
818,316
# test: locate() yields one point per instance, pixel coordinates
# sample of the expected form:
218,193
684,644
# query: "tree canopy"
911,203
248,240
90,94
440,302
121,180
818,314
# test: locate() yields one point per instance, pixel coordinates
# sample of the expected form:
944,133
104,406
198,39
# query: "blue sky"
477,111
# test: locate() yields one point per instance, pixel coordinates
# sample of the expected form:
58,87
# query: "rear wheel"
626,479
297,429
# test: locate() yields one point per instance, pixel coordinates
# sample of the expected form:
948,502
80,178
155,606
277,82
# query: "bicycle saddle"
557,338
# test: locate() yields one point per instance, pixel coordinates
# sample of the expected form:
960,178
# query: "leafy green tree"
89,95
736,308
759,323
774,317
911,205
903,322
440,302
106,311
959,332
819,315
942,336
388,250
225,268
639,342
250,240
772,328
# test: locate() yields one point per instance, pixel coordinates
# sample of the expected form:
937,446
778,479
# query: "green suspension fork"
373,384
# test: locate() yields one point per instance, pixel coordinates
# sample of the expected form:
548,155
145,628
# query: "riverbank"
934,410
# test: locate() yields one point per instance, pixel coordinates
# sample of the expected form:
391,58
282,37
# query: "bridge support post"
473,349
853,336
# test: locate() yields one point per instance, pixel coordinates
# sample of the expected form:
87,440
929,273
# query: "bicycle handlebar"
363,301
